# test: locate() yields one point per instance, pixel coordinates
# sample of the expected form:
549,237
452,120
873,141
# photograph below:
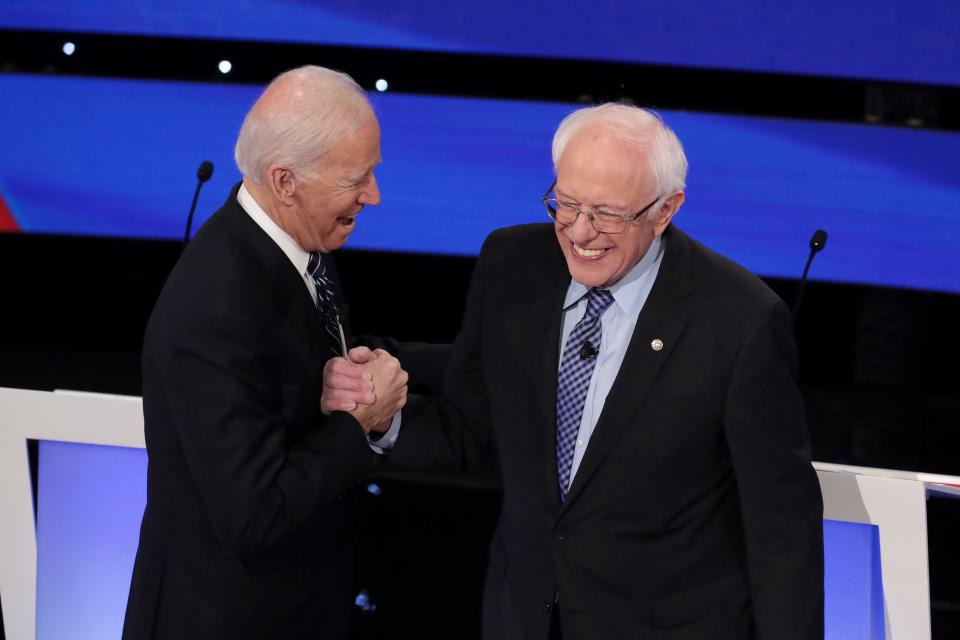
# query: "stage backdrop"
907,40
119,157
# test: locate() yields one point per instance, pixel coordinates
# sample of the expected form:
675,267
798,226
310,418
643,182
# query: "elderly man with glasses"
640,392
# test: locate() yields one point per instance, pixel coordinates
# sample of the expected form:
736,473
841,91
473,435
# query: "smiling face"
599,170
319,210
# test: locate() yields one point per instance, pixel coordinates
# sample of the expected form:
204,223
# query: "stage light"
69,48
374,489
381,85
364,603
225,66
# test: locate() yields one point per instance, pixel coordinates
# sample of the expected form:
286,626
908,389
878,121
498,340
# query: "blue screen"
91,499
909,40
118,158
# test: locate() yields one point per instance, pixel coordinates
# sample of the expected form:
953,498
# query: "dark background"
877,364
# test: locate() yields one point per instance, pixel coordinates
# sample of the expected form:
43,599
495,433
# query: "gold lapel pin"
657,344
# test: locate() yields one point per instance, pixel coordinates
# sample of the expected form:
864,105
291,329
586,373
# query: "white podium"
894,501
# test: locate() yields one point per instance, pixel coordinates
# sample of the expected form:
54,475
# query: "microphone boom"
204,173
817,242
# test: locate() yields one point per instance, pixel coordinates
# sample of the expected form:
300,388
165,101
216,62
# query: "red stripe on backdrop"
7,223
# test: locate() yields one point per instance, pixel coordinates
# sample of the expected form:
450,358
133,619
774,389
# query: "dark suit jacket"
246,532
695,512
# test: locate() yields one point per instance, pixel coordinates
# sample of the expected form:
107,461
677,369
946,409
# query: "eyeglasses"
603,221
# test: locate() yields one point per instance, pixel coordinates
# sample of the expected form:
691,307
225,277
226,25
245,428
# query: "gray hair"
297,118
643,128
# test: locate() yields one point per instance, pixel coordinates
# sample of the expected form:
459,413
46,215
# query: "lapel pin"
657,344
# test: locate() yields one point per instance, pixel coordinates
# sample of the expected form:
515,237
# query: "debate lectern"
65,571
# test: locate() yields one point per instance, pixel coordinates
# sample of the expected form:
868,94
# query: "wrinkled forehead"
600,163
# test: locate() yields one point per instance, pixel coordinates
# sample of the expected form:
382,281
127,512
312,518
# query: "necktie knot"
326,299
315,264
597,302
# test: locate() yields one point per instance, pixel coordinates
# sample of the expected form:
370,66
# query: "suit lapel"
664,317
286,285
536,331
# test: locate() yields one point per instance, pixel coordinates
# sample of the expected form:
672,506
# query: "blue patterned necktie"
576,368
326,299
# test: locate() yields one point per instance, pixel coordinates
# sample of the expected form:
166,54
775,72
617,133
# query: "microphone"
204,172
817,242
587,350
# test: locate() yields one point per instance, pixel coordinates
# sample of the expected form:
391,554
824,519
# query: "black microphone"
587,350
817,242
204,172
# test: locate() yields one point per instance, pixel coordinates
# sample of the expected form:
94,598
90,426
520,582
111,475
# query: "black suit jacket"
246,532
695,512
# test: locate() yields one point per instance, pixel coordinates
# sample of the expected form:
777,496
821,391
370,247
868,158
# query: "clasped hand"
371,386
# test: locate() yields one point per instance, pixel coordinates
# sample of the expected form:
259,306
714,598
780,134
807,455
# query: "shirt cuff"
385,442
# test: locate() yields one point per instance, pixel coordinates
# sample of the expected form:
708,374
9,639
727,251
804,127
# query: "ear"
283,183
666,212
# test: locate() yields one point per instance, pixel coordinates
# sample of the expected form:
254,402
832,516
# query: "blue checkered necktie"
326,298
576,367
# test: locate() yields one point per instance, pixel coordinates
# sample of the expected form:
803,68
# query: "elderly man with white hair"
641,393
247,533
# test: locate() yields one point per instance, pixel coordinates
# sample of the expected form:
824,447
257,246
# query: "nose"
371,193
581,231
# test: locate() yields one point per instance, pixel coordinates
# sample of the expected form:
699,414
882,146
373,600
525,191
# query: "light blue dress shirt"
618,321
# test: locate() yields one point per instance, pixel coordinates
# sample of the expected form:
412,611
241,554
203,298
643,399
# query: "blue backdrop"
911,40
118,157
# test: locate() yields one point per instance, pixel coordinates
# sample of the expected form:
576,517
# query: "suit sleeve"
453,431
780,497
424,362
260,486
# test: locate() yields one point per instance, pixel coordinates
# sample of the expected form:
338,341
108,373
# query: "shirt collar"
628,291
284,240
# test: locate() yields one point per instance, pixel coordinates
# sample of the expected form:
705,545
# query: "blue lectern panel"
91,499
852,581
118,157
911,40
89,504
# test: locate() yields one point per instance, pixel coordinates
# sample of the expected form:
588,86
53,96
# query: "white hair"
642,128
319,106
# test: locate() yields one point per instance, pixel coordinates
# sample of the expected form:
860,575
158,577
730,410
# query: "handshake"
371,386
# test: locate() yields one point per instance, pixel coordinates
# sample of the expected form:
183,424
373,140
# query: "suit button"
559,536
547,605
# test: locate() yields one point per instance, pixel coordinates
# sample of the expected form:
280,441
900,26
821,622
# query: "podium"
896,503
97,443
